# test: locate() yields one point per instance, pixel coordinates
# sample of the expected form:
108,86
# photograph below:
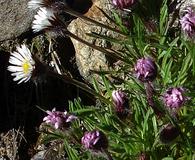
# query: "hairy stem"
111,54
79,15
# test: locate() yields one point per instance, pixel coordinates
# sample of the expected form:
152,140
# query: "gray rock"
39,156
15,18
88,58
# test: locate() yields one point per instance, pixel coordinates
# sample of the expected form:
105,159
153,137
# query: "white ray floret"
34,4
21,64
43,19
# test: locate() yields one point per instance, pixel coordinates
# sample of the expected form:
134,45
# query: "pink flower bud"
188,22
123,4
59,119
144,156
145,69
95,140
174,98
121,103
168,133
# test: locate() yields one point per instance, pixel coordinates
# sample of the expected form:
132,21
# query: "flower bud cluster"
59,120
22,66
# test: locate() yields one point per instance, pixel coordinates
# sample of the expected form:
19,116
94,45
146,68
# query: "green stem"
108,154
183,137
40,108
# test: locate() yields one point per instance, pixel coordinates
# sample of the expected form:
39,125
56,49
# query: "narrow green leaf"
72,153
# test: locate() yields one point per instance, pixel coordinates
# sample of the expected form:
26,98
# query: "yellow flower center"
26,66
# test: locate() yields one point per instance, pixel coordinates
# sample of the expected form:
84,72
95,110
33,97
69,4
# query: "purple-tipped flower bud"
143,156
188,22
174,98
123,4
59,119
145,69
168,133
121,103
95,140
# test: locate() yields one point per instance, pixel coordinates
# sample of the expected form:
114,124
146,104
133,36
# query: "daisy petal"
21,64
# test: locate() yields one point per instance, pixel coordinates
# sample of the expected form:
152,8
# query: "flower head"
46,19
43,19
188,22
21,64
121,102
145,69
94,140
168,133
123,4
59,119
34,4
174,98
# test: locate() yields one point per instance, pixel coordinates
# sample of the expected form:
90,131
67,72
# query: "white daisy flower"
21,64
34,4
43,19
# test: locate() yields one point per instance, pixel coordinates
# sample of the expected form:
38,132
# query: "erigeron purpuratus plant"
149,63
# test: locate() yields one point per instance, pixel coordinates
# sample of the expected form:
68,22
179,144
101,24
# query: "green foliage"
139,132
